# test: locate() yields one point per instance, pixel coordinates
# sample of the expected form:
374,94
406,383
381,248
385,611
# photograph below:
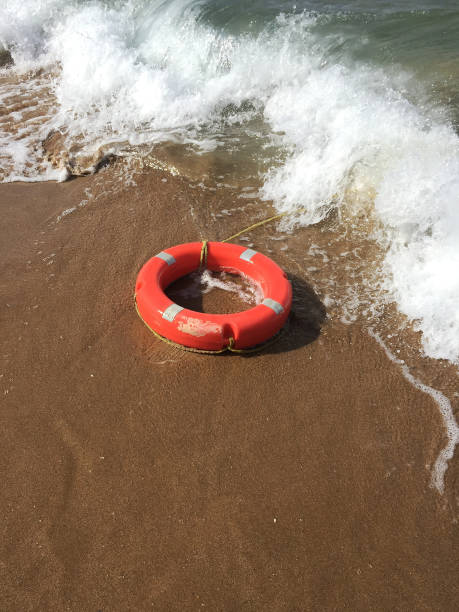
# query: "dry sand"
139,477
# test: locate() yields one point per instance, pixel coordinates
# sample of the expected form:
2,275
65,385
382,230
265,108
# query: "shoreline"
137,476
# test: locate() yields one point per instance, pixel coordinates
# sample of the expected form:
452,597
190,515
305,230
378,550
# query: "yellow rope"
203,257
255,225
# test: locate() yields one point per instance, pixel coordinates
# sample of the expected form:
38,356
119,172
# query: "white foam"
444,405
65,212
350,131
249,292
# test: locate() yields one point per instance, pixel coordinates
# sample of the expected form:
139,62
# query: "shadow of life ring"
212,332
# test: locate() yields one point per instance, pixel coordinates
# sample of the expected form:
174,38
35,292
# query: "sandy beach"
139,477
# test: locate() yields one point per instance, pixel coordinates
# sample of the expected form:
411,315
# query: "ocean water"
350,107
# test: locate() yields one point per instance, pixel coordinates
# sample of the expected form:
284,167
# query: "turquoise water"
421,37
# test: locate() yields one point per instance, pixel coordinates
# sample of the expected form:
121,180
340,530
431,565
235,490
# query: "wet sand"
139,477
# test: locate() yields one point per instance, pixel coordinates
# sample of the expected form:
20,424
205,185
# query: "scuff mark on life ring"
198,328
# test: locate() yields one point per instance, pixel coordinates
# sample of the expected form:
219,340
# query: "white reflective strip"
166,257
171,312
278,308
247,254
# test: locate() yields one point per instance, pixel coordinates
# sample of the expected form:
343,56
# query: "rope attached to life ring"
203,257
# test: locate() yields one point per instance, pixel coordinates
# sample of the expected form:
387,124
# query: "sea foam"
445,408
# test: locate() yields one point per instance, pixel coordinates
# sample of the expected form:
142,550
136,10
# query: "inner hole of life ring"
215,292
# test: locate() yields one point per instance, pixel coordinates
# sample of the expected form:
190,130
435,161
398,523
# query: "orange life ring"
212,332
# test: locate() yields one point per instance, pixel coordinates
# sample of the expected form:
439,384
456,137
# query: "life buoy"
212,332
